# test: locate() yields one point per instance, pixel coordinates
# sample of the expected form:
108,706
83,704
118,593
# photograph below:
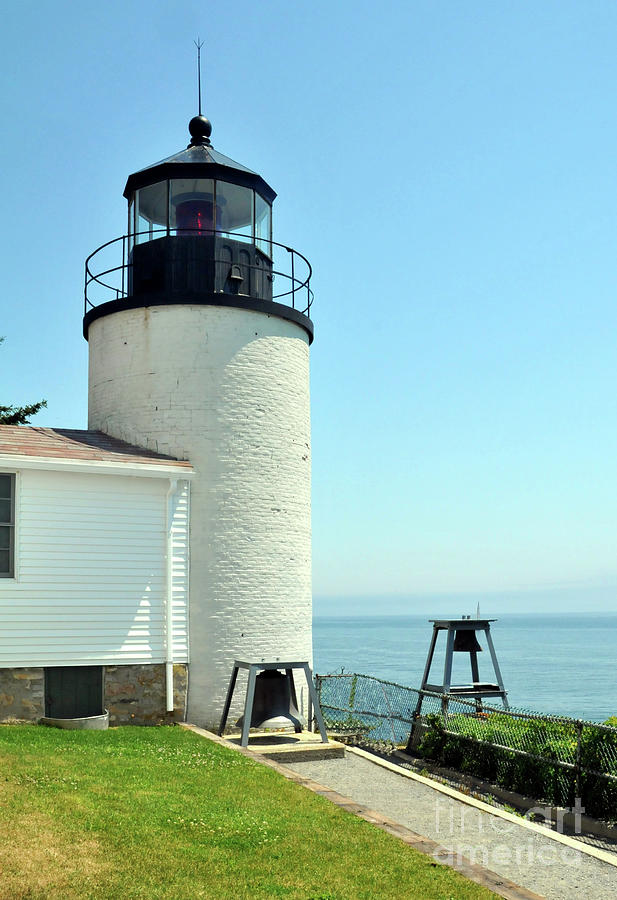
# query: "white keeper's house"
140,557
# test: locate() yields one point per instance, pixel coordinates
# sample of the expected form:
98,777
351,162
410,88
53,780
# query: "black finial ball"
200,128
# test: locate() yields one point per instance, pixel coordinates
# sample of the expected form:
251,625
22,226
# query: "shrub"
467,744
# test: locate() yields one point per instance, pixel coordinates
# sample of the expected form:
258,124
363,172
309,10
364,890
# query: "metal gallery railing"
108,268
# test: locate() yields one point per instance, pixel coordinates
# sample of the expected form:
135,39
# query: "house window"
7,525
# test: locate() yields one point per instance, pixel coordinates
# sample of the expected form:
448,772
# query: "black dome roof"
200,161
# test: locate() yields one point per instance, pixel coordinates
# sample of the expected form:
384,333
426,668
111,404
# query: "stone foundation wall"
22,694
134,695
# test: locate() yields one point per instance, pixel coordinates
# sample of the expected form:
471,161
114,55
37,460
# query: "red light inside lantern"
196,216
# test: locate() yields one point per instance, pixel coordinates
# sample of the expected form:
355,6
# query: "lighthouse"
198,327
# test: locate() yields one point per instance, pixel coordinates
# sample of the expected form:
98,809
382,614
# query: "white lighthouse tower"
202,353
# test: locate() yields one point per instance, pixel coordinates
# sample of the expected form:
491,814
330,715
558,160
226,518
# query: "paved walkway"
535,861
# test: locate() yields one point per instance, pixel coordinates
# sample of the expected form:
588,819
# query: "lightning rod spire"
199,44
199,127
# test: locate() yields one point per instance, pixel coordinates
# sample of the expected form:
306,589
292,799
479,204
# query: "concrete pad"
285,747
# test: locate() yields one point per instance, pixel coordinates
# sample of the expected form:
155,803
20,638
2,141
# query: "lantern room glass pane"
234,209
263,225
191,206
151,211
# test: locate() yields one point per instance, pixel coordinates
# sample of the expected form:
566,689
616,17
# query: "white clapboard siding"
91,571
180,572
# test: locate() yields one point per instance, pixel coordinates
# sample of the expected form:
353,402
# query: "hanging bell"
465,641
274,703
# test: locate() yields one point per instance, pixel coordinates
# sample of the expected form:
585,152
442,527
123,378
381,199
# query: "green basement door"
73,692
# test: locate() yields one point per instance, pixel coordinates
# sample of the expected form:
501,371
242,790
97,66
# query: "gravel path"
594,840
538,863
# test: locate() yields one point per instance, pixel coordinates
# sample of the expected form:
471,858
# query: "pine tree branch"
19,415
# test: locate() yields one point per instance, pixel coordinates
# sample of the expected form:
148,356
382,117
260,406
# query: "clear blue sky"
450,169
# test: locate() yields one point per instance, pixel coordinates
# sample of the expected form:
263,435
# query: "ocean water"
560,664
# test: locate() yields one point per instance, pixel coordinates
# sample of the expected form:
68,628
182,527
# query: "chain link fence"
551,758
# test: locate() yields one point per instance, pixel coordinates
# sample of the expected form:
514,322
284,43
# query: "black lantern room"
200,231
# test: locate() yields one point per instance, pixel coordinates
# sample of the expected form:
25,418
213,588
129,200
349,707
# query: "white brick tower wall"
228,389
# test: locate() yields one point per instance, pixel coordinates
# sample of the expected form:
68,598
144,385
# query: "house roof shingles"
76,445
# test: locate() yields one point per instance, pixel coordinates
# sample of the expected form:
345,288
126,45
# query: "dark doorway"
73,692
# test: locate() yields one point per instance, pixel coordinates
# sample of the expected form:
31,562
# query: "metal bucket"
87,723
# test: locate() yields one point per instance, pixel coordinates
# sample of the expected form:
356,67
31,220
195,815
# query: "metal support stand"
476,690
253,669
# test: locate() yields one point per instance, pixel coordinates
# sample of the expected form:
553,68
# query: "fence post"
311,716
390,712
577,770
352,692
414,732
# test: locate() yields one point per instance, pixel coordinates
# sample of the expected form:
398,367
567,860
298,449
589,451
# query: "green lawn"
160,812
